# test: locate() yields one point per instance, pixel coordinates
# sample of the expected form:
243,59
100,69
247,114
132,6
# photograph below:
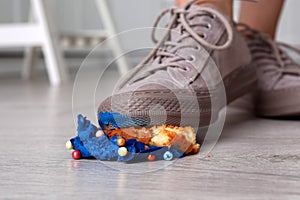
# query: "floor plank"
254,158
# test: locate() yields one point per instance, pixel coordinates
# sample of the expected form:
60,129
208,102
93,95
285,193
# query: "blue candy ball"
168,156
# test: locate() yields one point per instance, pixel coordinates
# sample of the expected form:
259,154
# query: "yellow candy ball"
122,151
69,145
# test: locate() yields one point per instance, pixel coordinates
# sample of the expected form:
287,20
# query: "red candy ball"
76,154
151,157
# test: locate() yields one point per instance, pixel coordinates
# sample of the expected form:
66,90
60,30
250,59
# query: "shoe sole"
278,103
183,113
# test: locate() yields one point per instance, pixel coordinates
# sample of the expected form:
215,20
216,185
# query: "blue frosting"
118,120
104,148
106,118
101,148
77,145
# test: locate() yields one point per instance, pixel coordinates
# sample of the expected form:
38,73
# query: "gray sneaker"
278,92
177,81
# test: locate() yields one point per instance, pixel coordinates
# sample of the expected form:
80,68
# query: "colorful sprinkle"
168,156
76,154
69,145
121,141
122,151
151,157
99,134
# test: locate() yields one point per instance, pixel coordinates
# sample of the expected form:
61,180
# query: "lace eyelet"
186,69
191,58
203,35
197,47
213,16
208,26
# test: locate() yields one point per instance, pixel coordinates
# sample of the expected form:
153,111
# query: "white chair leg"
115,44
30,56
30,59
52,52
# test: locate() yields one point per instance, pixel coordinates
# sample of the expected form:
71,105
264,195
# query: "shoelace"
270,53
159,51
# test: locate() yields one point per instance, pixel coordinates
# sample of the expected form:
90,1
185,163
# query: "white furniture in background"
40,32
86,37
110,30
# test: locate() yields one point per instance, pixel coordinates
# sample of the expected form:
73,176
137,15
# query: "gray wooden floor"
254,159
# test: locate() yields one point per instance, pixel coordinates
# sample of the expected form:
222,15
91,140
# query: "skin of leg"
262,16
225,6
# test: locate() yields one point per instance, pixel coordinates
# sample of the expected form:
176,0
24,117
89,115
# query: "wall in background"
129,14
289,29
